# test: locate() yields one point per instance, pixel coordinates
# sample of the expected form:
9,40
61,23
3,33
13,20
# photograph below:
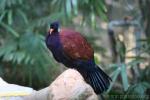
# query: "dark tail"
99,80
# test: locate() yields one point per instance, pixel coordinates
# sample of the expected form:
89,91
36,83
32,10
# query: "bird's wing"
75,45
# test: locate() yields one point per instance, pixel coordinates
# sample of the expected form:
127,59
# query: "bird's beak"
51,30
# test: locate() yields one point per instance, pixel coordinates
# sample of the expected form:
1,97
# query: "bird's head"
54,27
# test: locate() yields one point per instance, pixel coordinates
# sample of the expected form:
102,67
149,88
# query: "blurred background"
118,30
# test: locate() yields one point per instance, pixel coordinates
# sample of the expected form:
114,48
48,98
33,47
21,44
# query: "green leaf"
2,5
75,6
27,59
11,30
93,20
20,1
10,19
138,91
2,16
124,77
68,7
7,48
19,56
102,5
54,2
46,20
113,65
23,15
8,57
134,63
114,78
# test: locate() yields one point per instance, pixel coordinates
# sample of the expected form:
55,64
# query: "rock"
70,85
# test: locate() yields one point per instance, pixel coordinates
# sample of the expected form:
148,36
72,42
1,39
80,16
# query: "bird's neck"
55,32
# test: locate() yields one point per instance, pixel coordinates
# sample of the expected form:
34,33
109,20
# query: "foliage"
88,9
130,81
132,88
137,91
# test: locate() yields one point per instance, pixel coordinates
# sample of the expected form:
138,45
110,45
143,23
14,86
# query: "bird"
72,49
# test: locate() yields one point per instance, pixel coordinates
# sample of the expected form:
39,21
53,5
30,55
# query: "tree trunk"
144,6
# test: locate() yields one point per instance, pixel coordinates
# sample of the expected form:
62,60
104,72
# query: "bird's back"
75,45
